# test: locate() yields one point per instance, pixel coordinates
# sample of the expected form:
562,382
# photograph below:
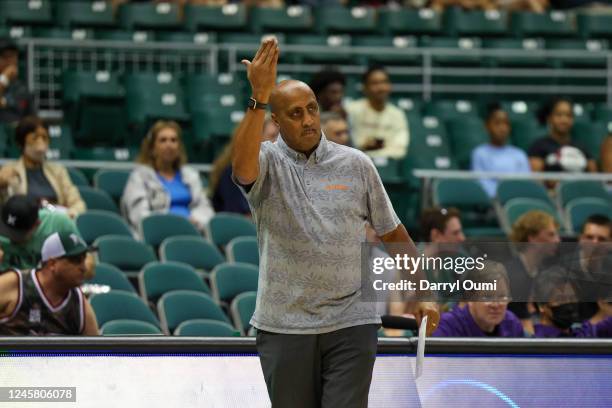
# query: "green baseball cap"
61,244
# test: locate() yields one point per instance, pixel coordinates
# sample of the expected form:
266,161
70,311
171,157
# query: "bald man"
311,200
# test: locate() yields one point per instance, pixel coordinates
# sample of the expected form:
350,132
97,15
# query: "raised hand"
261,71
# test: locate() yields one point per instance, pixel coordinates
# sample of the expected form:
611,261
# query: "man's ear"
275,120
434,234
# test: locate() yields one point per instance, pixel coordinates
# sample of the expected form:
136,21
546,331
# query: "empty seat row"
299,18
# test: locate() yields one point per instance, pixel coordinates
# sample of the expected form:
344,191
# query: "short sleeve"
253,192
381,214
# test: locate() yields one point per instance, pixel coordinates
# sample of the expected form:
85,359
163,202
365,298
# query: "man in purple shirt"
486,314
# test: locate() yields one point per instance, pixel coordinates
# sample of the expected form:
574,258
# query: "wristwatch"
254,104
4,81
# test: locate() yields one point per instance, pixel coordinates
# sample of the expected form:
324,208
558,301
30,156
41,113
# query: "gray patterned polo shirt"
310,215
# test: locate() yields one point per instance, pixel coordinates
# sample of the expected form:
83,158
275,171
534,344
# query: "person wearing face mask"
33,175
557,151
162,183
378,128
557,301
486,313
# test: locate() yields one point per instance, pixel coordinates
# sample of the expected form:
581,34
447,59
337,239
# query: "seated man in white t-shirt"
378,128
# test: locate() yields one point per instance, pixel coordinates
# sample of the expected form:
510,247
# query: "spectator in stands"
485,314
328,86
15,101
47,300
536,6
224,194
24,226
378,127
33,175
335,128
163,182
559,309
590,262
497,155
606,154
535,235
557,151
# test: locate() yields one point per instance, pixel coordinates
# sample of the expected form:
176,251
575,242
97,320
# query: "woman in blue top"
162,182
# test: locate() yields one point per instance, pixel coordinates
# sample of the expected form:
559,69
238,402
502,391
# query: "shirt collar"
317,155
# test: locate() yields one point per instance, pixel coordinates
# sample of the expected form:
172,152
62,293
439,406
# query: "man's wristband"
255,104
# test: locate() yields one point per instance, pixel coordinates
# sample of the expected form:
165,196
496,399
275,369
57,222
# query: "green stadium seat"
206,328
223,227
229,17
125,253
516,207
111,276
409,21
96,14
112,181
138,36
212,129
157,227
96,199
242,309
571,190
446,109
118,154
157,278
520,109
231,279
34,12
525,131
94,104
149,16
411,107
401,44
477,214
510,189
465,135
579,209
389,170
429,148
223,90
15,32
60,142
459,22
128,327
345,20
179,306
152,96
590,136
77,34
200,38
94,224
466,44
596,48
594,25
549,24
77,177
243,250
195,251
119,304
283,19
330,48
534,55
246,44
603,113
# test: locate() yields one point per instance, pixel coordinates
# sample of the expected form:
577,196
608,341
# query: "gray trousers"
330,370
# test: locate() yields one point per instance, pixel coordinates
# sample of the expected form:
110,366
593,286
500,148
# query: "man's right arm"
261,73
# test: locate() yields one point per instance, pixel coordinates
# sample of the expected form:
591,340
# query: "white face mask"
36,153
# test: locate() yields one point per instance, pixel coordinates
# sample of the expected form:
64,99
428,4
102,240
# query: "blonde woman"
163,182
